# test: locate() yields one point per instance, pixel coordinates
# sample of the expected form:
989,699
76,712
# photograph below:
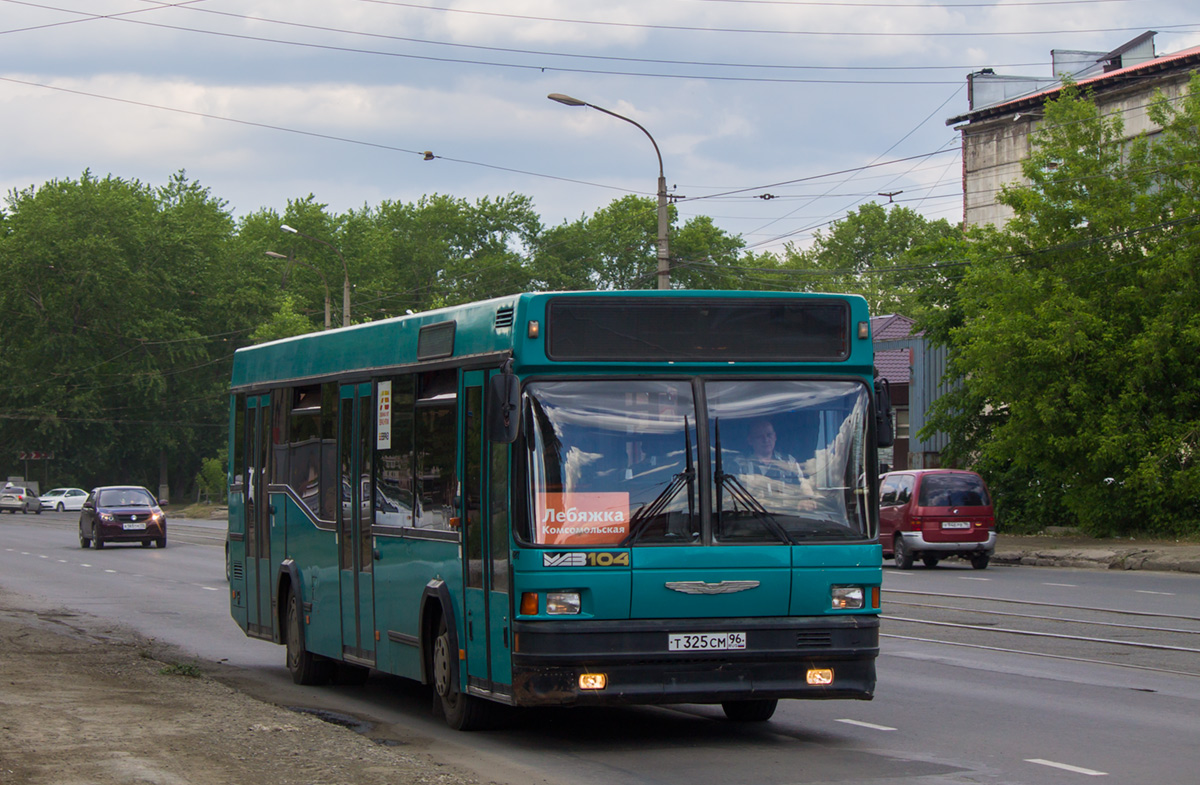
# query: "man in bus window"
765,470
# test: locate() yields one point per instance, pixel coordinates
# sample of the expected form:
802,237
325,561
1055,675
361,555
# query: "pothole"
333,718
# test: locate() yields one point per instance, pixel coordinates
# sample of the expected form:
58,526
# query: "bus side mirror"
504,407
885,430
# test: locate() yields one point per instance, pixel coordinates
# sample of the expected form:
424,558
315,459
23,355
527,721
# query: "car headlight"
846,598
106,517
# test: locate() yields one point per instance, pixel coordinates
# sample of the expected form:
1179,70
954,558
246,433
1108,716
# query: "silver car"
16,498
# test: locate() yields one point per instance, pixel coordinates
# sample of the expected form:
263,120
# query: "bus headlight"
562,603
847,598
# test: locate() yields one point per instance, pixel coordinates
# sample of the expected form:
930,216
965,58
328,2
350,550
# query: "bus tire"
749,711
306,668
902,554
461,711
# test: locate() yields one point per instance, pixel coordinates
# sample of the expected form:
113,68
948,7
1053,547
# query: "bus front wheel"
306,668
749,711
461,711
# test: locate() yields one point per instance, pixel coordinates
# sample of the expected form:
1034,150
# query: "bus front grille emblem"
700,587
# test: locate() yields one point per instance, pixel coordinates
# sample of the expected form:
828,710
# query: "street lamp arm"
325,243
345,269
664,252
569,101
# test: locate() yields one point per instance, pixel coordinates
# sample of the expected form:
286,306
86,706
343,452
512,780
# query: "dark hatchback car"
930,514
122,513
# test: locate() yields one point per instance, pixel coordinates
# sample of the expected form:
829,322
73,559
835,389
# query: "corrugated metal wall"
928,368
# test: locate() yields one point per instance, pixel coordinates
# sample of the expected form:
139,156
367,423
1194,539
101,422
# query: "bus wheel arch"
440,661
306,668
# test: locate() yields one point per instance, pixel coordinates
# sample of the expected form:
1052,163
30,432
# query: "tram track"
1156,641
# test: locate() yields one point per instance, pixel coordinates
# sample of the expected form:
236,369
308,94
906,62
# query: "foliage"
617,248
1079,340
113,367
873,252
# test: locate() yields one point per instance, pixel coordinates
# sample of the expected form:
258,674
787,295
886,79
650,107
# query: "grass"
181,669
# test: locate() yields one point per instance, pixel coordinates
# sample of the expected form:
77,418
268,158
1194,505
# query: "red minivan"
931,514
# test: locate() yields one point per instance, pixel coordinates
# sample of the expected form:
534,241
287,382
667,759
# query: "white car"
61,499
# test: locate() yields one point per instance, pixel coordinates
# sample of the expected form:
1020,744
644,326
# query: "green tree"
875,252
114,364
1079,342
617,248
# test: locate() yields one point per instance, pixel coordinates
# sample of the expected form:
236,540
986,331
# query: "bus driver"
765,470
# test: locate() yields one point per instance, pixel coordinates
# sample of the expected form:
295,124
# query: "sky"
773,117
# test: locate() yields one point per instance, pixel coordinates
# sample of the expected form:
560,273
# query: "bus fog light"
819,676
593,681
562,603
847,597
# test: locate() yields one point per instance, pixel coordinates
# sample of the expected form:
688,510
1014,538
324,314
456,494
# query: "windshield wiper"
640,520
739,493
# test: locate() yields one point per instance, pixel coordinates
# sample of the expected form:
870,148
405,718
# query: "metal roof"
1177,61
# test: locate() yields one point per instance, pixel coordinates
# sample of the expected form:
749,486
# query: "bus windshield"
603,451
788,460
615,463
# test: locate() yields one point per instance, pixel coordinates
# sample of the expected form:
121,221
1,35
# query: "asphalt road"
1008,675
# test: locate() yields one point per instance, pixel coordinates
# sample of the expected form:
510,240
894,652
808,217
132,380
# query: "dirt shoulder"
82,702
1077,550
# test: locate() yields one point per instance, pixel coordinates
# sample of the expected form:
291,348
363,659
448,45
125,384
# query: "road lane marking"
209,588
113,572
1067,585
974,579
1067,767
43,556
1159,593
870,725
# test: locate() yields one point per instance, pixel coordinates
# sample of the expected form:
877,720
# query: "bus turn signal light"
529,603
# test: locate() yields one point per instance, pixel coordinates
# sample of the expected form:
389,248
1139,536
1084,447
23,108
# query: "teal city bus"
568,499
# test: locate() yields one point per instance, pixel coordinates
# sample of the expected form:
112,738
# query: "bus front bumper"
780,658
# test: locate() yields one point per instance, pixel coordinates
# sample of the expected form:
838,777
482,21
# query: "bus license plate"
140,527
956,524
706,641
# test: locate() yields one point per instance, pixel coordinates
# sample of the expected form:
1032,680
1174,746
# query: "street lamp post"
324,280
345,269
664,255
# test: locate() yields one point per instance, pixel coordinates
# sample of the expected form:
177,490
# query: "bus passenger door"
258,517
355,516
485,550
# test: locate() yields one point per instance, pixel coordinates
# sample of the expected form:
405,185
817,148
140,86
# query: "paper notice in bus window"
383,417
582,518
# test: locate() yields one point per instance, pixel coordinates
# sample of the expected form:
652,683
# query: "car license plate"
706,641
956,524
139,527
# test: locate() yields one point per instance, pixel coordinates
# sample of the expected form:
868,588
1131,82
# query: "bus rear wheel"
749,711
461,711
306,668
